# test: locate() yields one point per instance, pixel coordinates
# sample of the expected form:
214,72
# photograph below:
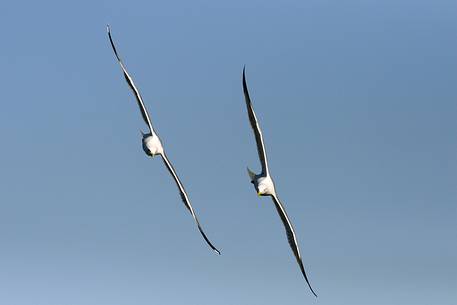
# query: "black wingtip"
215,250
108,29
210,244
313,292
306,279
309,285
245,86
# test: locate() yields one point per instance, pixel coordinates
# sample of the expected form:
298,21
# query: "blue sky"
357,101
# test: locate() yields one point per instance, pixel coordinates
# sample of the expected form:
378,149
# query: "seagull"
153,146
263,183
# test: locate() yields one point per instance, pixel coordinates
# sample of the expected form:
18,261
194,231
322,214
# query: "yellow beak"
258,194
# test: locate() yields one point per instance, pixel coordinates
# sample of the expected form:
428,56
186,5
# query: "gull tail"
251,174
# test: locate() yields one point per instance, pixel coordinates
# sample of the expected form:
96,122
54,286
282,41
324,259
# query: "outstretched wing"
186,200
291,237
128,78
256,128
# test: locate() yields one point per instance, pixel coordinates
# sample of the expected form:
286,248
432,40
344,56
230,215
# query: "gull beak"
258,193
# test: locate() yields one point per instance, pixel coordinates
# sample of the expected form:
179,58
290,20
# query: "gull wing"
186,200
128,78
256,128
291,237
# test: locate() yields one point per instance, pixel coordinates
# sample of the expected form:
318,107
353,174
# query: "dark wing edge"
128,78
291,238
186,200
255,127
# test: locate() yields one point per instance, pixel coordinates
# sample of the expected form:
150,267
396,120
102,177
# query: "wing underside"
186,200
291,237
128,78
255,128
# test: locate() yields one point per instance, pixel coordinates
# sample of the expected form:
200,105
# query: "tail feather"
251,174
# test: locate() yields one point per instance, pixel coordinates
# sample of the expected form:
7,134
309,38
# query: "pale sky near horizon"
358,104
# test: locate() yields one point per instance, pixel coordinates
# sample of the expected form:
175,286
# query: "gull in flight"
264,185
153,146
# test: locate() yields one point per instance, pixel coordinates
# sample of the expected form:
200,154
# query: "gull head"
151,144
263,184
262,189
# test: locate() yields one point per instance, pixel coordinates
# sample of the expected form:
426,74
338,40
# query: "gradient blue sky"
358,104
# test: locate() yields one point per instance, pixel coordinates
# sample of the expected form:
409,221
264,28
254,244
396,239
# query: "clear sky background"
358,104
